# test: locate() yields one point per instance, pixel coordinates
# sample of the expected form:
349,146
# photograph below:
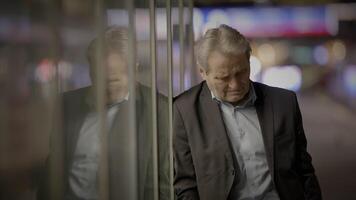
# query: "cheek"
123,77
221,87
124,83
247,77
125,80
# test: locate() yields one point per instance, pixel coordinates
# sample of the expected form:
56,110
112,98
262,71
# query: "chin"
234,101
235,98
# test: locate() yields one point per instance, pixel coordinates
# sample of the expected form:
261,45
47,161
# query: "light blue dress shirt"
254,181
83,175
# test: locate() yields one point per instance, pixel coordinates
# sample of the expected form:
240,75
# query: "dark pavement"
331,132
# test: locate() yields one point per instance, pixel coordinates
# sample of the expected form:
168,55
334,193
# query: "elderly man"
237,139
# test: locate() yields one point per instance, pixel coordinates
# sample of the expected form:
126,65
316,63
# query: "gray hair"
223,39
115,40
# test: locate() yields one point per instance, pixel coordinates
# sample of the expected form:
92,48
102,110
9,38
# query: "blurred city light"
198,19
45,71
321,55
65,69
282,51
288,77
331,21
304,19
244,20
267,54
349,79
302,55
215,18
284,21
339,50
255,66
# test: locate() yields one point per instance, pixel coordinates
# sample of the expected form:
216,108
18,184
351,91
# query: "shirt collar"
89,98
126,98
250,101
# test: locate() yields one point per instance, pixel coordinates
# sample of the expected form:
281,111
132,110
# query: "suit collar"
212,112
216,135
245,102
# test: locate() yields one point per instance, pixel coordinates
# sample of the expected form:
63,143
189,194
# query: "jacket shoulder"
272,91
77,93
74,100
189,96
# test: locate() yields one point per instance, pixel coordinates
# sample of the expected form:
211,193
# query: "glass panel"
176,45
28,92
191,70
184,71
87,104
83,99
164,152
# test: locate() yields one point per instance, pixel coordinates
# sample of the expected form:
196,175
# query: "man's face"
117,77
227,76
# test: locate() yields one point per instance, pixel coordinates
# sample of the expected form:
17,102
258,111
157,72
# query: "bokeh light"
302,55
198,18
45,71
255,65
288,77
349,79
215,18
321,55
338,50
267,54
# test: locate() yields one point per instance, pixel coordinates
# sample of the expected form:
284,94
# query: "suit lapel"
74,119
264,109
216,135
214,118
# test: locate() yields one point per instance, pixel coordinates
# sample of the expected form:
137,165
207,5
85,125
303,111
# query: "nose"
234,83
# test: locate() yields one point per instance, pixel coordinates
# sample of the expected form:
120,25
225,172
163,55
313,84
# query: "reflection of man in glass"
84,147
82,128
115,49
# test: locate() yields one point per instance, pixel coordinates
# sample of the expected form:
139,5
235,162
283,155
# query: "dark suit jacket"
204,160
76,107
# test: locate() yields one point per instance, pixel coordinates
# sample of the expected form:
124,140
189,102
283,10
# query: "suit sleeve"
304,165
185,184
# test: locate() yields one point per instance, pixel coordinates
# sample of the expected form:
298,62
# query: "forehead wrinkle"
222,70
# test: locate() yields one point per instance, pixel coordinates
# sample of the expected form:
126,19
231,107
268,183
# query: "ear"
202,72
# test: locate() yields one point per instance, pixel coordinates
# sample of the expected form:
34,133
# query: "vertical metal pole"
56,159
132,146
192,67
154,98
170,95
100,101
181,46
